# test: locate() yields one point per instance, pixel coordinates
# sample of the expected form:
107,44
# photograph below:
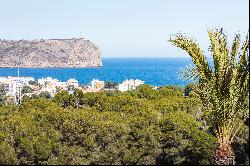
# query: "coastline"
154,71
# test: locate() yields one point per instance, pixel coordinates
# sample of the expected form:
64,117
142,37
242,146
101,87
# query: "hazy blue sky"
122,27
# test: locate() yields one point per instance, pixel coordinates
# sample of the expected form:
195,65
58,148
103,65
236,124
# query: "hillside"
49,53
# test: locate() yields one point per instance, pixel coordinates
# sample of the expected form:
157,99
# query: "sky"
123,28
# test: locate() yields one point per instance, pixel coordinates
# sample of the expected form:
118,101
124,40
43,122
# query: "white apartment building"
62,85
51,89
129,85
13,85
73,82
3,79
48,80
97,84
12,88
22,80
50,85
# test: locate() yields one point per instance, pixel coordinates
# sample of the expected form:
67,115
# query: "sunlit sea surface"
154,71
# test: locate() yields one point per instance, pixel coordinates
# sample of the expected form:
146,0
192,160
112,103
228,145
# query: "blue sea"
154,71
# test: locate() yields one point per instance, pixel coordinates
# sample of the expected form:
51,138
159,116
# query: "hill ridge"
46,53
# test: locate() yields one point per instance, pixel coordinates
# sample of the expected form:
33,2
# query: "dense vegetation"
223,86
143,126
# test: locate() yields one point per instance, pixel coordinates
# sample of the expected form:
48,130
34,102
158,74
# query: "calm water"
154,71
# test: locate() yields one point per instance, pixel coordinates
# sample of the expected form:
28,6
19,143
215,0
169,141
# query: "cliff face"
49,53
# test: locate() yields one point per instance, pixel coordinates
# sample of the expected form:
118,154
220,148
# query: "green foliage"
188,89
2,94
241,146
223,87
64,99
110,85
33,83
7,154
26,89
158,127
146,91
170,91
45,95
185,141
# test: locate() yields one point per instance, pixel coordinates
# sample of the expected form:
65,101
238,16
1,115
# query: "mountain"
49,53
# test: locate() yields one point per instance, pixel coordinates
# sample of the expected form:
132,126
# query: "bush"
144,126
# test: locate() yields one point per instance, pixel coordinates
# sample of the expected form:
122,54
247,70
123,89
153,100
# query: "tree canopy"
222,87
143,126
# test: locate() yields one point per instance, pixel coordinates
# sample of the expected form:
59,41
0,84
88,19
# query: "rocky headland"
49,53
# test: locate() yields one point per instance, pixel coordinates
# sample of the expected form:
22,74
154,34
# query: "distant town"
18,87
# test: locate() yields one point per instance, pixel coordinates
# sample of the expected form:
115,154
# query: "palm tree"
223,87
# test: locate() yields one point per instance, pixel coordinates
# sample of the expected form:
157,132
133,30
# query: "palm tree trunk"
224,155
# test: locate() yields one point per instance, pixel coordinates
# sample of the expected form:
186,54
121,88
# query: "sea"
154,71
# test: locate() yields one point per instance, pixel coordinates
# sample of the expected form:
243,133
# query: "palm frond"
224,91
235,49
193,49
219,48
